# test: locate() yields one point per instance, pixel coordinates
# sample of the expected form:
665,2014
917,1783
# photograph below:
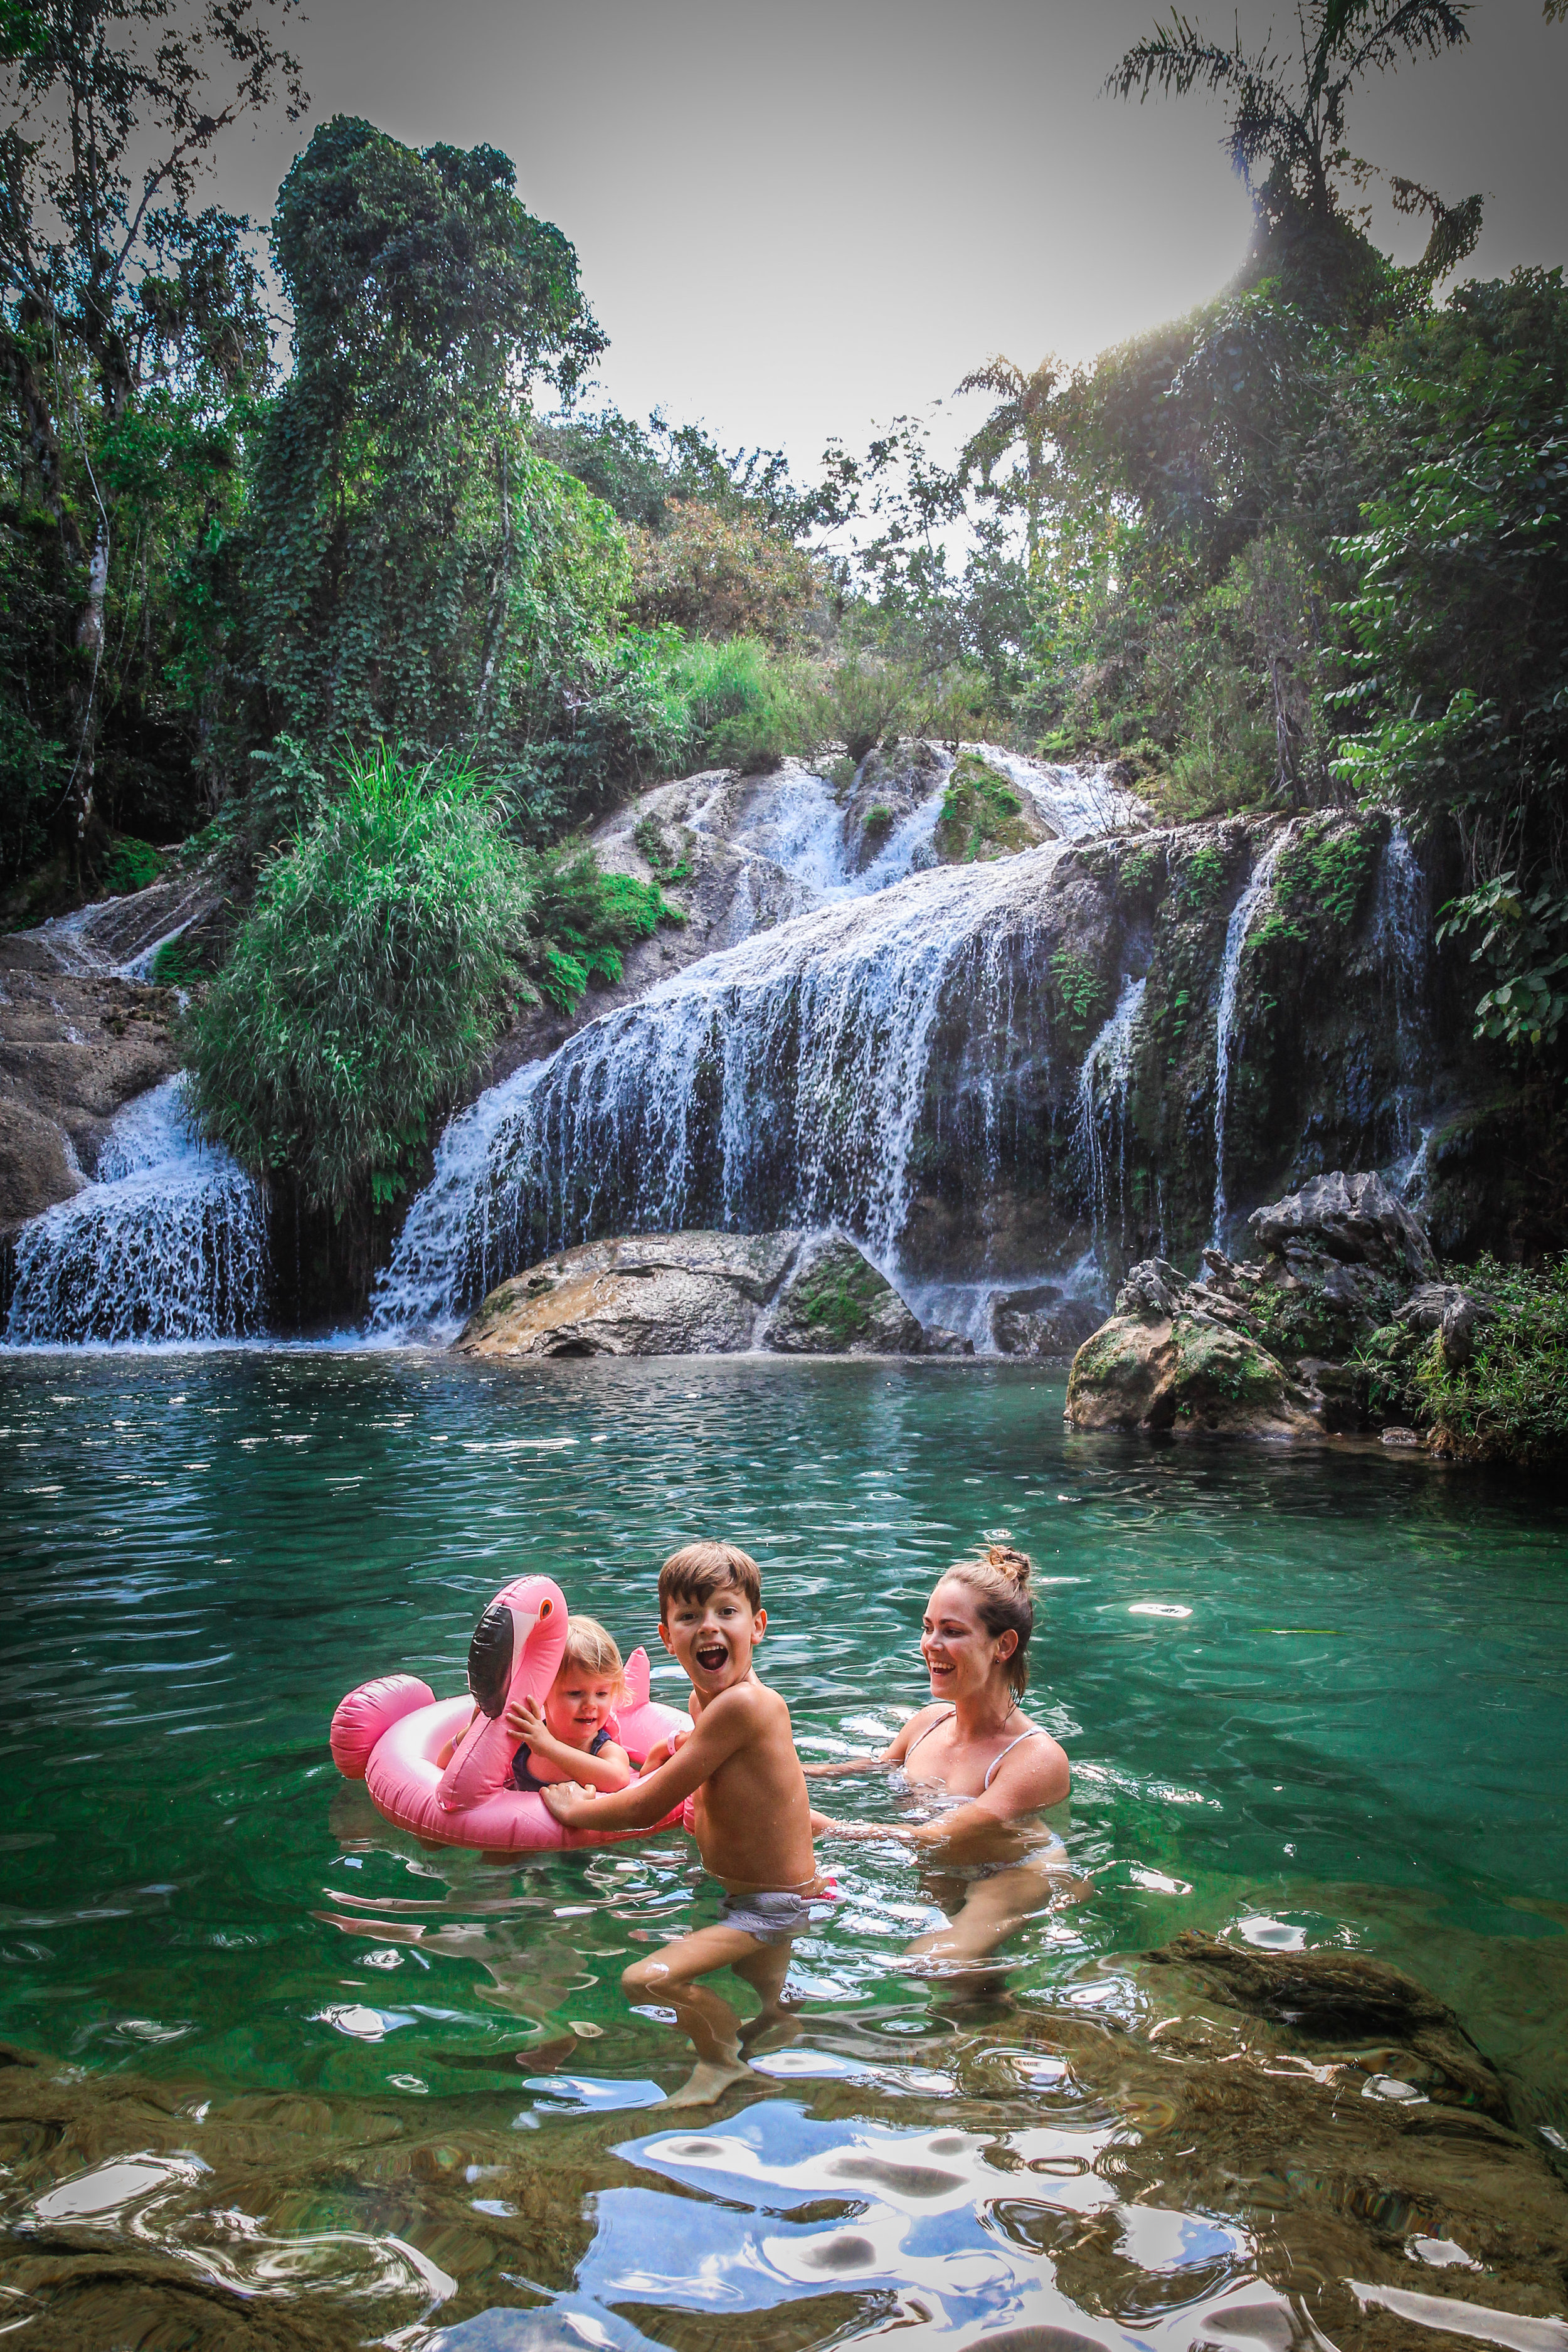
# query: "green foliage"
670,865
982,815
177,965
366,984
1524,940
1200,879
129,865
1324,873
581,921
745,707
865,703
1081,990
1510,1402
877,820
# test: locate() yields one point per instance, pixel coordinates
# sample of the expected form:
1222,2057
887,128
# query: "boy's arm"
727,1723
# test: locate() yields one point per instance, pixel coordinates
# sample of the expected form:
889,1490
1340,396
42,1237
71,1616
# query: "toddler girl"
569,1737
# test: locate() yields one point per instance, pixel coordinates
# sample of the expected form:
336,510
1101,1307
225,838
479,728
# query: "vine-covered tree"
114,288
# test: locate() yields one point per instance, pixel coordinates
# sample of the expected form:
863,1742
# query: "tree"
413,568
109,278
1286,132
1023,416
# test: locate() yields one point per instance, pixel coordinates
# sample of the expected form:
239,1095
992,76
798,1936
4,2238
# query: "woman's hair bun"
1014,1565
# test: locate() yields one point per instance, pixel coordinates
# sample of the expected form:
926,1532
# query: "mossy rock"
838,1305
983,816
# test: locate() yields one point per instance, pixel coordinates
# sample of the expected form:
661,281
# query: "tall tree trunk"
89,642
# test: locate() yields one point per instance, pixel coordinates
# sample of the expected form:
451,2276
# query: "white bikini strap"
1033,1733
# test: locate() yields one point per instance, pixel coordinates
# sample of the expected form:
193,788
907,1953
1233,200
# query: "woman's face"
961,1656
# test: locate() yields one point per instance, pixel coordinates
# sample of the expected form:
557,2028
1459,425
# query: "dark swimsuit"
522,1763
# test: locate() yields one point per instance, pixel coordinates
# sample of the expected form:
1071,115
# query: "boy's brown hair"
700,1570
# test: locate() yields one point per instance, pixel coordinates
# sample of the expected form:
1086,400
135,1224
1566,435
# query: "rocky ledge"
702,1295
1268,1347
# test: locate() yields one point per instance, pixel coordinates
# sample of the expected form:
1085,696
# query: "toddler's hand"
524,1718
663,1750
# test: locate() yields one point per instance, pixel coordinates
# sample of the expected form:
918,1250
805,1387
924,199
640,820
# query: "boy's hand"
524,1718
570,1803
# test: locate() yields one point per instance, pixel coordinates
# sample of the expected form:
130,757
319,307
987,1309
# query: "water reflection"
396,2091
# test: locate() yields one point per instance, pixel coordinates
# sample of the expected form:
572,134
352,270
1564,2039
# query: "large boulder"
1354,1219
1174,1358
699,1294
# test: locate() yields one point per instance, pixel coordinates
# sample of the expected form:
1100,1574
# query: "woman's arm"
842,1767
1036,1775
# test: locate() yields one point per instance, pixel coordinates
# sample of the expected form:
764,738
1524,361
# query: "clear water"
1306,1700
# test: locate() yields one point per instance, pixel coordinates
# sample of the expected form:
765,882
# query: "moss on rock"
983,815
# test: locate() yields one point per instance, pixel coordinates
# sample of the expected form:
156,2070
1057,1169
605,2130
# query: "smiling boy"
750,1814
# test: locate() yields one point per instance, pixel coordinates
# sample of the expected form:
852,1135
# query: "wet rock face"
1353,1219
700,1294
1266,1347
75,1047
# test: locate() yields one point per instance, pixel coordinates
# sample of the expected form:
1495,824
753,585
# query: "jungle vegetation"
1301,549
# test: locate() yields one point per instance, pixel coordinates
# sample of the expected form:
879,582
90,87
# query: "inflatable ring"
391,1733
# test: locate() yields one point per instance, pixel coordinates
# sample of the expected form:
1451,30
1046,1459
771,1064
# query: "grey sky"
796,220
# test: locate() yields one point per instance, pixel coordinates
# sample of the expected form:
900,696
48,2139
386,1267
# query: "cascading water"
779,1082
168,1242
1258,885
1401,924
1100,1136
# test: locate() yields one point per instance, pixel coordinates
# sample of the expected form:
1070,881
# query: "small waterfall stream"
168,1242
1100,1136
1256,889
1402,918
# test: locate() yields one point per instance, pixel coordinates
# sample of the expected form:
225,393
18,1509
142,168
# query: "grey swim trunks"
772,1918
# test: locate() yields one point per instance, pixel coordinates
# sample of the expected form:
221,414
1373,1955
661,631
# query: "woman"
978,1758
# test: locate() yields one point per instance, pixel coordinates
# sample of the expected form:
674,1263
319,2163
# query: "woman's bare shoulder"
1035,1771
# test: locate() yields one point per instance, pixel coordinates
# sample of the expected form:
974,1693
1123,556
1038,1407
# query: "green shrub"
746,706
878,819
1510,1402
582,920
129,865
863,702
366,984
1201,879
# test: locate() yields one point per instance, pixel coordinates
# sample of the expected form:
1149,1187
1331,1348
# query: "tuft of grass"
747,707
878,819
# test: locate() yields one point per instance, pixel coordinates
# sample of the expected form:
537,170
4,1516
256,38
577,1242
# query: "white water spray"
1401,922
168,1242
1100,1136
1258,886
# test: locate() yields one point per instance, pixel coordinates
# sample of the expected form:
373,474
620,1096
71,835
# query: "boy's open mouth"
712,1656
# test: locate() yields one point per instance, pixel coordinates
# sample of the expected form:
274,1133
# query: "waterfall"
785,1081
1258,885
1102,1090
168,1242
1400,925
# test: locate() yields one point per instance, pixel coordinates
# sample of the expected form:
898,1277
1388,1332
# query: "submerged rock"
700,1293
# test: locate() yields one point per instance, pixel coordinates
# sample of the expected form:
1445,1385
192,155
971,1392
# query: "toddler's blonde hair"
589,1647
